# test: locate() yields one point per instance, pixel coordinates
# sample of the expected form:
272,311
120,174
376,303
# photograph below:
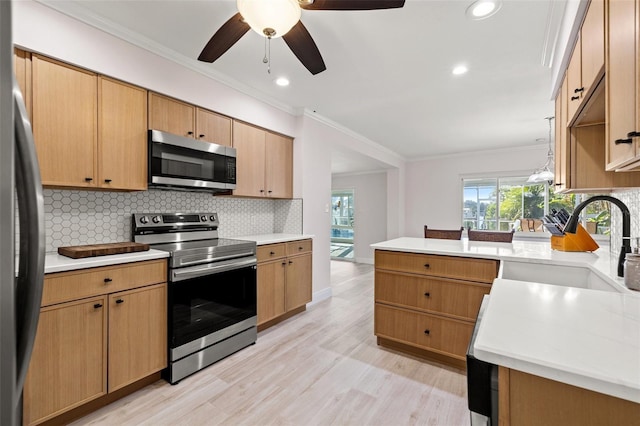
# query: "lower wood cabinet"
529,400
284,280
427,304
88,346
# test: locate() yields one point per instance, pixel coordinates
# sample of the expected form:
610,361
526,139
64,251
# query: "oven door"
209,303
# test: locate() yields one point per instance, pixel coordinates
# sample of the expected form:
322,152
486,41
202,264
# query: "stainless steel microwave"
184,163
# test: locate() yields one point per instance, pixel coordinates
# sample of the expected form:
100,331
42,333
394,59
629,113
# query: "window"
505,203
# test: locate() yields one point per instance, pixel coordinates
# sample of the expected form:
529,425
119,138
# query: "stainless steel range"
212,288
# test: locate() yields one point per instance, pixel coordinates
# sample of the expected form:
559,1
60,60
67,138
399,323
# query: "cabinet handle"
300,248
189,133
284,263
119,301
574,98
290,262
626,141
107,280
270,191
272,253
427,294
88,179
97,305
426,332
559,184
633,134
201,136
107,181
579,90
262,191
426,265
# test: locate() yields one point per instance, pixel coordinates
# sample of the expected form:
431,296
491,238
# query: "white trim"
370,172
319,296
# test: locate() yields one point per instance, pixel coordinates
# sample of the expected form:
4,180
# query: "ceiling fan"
281,18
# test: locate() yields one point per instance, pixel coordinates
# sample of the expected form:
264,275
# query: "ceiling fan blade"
302,45
353,4
224,38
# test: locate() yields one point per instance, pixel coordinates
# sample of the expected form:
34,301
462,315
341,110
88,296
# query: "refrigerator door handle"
30,278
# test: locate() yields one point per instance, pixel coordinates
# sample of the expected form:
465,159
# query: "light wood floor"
321,367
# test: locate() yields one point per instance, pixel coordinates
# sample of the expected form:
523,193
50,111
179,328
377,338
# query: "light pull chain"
267,53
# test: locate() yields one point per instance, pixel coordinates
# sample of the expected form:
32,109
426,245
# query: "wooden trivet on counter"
79,252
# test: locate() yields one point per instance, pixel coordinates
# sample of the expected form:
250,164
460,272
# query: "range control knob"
156,219
203,218
144,220
212,218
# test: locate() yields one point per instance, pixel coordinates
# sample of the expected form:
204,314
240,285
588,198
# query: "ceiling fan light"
266,15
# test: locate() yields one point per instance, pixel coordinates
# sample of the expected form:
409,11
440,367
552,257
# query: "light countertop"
55,262
584,337
273,238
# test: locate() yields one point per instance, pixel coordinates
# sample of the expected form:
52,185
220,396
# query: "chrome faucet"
572,225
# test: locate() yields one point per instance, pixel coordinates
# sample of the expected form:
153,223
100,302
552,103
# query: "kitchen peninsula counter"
582,337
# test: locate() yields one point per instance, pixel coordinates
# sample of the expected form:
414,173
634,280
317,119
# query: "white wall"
434,186
370,200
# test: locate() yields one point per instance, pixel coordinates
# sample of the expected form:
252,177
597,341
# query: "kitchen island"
574,335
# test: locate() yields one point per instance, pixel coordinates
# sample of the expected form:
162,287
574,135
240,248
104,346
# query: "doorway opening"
342,219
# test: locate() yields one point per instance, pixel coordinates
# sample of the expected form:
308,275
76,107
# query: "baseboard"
366,260
321,295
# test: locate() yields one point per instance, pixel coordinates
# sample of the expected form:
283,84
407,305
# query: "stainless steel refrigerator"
20,280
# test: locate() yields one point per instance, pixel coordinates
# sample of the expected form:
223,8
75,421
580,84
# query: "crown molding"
75,11
339,127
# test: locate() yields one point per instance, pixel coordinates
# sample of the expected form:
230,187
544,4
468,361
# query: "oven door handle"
232,256
199,271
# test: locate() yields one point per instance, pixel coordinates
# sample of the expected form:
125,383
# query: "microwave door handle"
31,215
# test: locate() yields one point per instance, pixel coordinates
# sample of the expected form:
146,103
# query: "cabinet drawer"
446,336
449,297
297,247
271,251
463,268
65,286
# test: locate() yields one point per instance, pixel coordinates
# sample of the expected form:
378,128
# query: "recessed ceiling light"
481,9
282,81
460,69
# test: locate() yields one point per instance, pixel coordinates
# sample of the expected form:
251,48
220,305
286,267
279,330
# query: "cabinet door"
592,43
68,366
170,115
22,65
271,288
574,82
249,143
137,334
212,127
279,166
621,81
122,137
561,151
298,281
65,105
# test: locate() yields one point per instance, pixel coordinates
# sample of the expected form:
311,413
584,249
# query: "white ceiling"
388,74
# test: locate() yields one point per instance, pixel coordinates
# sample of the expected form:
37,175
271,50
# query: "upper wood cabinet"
89,131
623,83
183,119
586,67
65,104
212,127
264,165
171,115
122,135
22,68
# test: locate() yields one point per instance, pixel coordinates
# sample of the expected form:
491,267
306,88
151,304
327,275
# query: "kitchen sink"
568,276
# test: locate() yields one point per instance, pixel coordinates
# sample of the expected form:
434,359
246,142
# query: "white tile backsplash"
92,217
632,199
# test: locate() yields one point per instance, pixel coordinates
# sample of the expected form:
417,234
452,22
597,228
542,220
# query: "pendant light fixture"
544,173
